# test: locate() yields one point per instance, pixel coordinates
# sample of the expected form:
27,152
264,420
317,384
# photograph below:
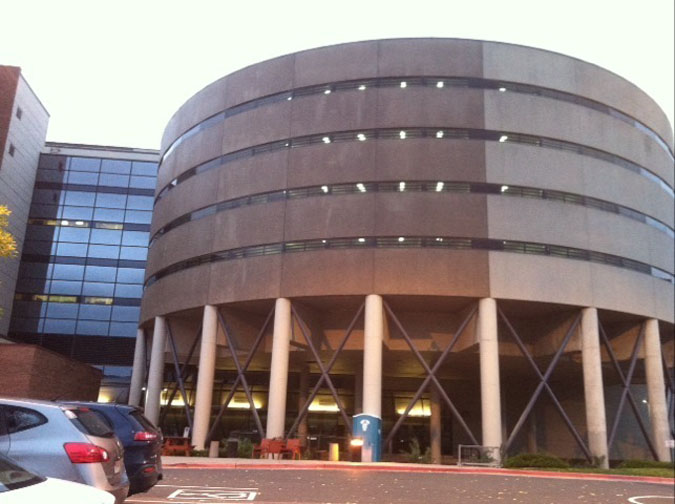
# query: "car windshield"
13,477
89,422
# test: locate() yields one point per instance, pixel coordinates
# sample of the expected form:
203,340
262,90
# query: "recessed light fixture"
65,222
362,87
502,90
327,91
439,186
361,137
326,140
324,188
289,98
401,239
439,239
404,84
503,138
361,187
505,188
401,186
362,240
79,223
323,241
402,135
440,84
439,134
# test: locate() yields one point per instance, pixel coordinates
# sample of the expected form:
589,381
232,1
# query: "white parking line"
641,499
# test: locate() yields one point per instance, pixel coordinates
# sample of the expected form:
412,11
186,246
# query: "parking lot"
356,486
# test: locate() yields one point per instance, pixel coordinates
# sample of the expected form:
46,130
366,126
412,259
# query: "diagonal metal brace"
179,378
427,379
543,384
324,374
329,366
626,393
240,373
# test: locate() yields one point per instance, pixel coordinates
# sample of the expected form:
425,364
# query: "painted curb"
422,469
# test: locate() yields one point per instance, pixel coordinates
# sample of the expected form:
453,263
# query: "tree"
7,243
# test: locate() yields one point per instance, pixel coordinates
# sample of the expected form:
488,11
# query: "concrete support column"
156,371
206,370
435,427
303,389
591,359
138,370
656,390
372,356
276,403
491,412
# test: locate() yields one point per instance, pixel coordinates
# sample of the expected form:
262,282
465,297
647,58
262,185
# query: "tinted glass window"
127,330
106,236
74,234
77,213
72,249
94,312
98,289
143,182
108,179
82,178
59,326
144,422
137,238
13,477
63,287
106,200
103,214
80,198
100,274
104,251
90,422
85,164
126,313
130,275
116,166
140,202
138,216
141,168
20,419
135,253
92,328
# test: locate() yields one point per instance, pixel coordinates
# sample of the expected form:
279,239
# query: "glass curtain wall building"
80,281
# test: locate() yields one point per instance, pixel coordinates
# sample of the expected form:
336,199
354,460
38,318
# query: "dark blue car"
141,439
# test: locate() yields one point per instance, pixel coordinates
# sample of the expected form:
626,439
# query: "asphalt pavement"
349,484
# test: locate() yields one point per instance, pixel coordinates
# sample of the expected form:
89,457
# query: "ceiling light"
401,186
324,188
439,134
362,240
439,186
361,137
79,223
401,239
289,98
327,91
439,239
404,84
402,135
362,87
361,187
505,188
323,241
440,84
65,222
503,138
326,140
502,90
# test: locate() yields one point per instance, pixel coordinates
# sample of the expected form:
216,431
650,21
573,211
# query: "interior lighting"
79,223
420,409
362,240
362,87
323,241
644,401
440,84
361,137
439,134
286,144
356,442
326,140
324,405
240,404
503,138
289,98
65,222
502,90
439,186
324,188
327,91
439,239
401,186
401,239
361,187
404,84
402,135
504,188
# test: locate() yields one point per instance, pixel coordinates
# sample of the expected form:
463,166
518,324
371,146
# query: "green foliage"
535,460
200,453
245,449
645,464
415,455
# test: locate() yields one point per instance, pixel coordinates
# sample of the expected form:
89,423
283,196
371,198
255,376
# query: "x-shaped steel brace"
431,376
543,384
626,393
324,371
241,377
177,374
326,376
670,387
183,375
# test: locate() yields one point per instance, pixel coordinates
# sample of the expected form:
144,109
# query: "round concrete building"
471,241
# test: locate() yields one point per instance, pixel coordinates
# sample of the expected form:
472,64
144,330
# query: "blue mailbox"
368,428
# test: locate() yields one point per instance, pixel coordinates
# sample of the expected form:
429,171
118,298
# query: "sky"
113,72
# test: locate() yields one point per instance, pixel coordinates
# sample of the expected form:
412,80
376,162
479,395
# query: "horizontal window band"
414,242
133,191
89,224
83,261
403,133
438,82
64,298
410,186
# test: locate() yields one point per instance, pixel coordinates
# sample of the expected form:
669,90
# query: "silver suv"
68,442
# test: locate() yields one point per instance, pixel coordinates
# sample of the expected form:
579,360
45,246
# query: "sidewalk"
296,465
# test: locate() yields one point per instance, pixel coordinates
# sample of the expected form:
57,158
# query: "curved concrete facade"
430,172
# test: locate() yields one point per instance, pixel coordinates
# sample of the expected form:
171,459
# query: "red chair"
275,448
293,448
262,449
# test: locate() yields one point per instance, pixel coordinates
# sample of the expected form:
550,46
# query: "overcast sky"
113,72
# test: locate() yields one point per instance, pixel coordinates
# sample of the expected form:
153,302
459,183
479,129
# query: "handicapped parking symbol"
214,495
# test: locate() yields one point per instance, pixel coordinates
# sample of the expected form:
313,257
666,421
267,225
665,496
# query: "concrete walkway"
269,464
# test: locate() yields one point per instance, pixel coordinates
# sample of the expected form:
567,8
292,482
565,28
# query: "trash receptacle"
232,448
367,428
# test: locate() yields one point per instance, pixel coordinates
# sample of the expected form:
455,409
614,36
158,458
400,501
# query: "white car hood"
56,491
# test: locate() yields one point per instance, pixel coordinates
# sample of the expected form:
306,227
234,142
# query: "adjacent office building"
471,241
